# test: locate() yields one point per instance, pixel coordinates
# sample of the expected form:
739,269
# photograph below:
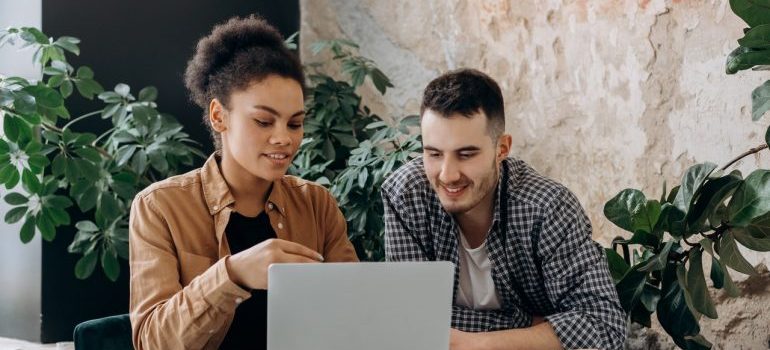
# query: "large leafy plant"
707,217
59,165
348,148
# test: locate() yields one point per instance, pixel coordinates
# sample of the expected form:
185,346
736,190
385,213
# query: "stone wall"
600,95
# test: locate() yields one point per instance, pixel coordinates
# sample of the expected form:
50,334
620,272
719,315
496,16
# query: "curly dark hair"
236,54
466,91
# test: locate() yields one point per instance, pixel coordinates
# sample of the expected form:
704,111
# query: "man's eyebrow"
461,149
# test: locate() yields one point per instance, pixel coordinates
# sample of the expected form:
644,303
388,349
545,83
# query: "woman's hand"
249,267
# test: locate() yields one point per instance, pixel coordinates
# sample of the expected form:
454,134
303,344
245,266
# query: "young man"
528,274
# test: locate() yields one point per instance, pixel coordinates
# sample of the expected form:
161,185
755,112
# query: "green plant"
58,166
348,148
711,211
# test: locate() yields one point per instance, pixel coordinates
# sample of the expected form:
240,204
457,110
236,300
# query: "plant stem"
51,127
84,116
745,154
103,135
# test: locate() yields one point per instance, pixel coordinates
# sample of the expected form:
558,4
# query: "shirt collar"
218,196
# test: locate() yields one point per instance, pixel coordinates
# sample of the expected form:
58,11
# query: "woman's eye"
262,123
295,126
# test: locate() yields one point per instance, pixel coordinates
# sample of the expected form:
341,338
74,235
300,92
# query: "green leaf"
757,228
10,176
110,265
45,96
696,283
139,162
57,202
751,199
109,207
124,153
46,226
27,231
88,88
744,58
66,88
697,342
30,182
14,215
760,100
24,103
618,266
85,265
84,72
673,313
767,137
717,273
691,183
658,262
363,175
11,128
750,241
68,43
728,284
15,198
148,94
87,226
622,208
731,256
753,12
122,89
90,154
650,297
757,37
713,193
58,216
630,288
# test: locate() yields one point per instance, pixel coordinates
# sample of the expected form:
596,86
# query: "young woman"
201,243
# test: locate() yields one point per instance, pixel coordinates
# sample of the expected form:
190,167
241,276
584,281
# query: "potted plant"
706,217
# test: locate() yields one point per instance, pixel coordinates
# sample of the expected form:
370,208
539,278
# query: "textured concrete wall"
600,95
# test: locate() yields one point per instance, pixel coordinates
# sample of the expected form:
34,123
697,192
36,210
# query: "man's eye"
467,155
434,155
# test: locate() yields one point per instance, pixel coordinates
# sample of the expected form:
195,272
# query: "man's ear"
503,147
217,116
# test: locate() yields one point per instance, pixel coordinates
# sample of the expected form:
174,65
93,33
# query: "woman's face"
261,128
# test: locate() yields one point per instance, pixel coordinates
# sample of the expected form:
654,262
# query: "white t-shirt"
476,287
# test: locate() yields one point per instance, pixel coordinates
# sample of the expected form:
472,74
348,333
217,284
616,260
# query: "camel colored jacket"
181,294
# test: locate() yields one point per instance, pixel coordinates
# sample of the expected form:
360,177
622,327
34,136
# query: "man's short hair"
466,91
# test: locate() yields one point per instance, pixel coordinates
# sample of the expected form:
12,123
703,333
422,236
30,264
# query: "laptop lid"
354,306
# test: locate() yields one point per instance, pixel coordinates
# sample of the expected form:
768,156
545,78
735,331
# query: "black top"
249,327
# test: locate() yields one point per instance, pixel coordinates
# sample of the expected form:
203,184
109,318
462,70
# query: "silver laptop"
354,306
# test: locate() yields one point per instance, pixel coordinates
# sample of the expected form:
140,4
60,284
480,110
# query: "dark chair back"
108,333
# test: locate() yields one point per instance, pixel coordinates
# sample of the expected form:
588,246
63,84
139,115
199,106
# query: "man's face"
461,159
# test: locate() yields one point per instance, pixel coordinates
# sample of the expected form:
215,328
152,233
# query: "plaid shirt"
543,259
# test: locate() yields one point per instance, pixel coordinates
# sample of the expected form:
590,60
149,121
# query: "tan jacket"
181,294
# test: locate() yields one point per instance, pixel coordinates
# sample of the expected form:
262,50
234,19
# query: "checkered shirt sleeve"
577,280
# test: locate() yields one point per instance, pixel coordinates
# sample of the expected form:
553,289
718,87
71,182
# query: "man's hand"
249,267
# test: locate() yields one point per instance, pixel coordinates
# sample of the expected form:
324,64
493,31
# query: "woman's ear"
217,116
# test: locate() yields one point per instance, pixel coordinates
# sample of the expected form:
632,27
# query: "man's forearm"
538,337
541,336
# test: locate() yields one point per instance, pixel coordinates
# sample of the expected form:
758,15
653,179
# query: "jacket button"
280,225
270,206
238,300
